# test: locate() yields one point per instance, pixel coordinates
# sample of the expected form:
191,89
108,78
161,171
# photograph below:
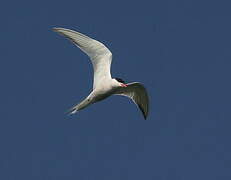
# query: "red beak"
123,85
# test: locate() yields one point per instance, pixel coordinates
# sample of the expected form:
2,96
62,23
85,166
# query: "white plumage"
104,85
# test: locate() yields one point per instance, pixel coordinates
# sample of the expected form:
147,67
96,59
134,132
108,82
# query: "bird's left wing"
99,54
137,92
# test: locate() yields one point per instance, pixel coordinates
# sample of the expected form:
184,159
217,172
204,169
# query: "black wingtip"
145,117
144,114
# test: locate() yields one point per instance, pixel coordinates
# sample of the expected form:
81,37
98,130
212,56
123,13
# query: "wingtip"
145,117
58,29
55,29
145,114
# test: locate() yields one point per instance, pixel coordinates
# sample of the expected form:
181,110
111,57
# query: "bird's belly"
102,95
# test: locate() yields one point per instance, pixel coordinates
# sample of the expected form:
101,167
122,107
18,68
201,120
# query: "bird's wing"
138,94
99,54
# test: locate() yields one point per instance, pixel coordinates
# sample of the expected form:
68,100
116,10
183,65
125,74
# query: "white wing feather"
99,54
138,94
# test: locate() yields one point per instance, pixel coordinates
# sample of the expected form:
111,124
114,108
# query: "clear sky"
179,49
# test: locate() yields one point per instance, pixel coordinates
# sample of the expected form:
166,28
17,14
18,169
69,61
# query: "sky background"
180,50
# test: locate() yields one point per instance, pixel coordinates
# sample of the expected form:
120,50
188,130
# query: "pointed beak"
123,85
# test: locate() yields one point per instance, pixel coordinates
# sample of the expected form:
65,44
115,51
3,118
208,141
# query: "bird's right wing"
99,54
137,92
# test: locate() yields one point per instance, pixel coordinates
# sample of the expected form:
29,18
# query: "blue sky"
180,50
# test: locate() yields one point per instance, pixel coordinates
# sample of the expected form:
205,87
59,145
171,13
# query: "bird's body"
104,85
99,93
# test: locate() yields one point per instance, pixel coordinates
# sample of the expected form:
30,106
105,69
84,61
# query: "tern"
104,85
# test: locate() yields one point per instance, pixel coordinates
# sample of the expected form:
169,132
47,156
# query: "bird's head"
120,82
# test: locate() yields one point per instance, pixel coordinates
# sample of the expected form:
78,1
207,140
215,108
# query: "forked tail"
73,110
79,106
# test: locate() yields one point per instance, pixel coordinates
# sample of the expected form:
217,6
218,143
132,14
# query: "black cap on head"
120,80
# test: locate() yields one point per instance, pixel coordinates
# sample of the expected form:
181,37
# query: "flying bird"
104,85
